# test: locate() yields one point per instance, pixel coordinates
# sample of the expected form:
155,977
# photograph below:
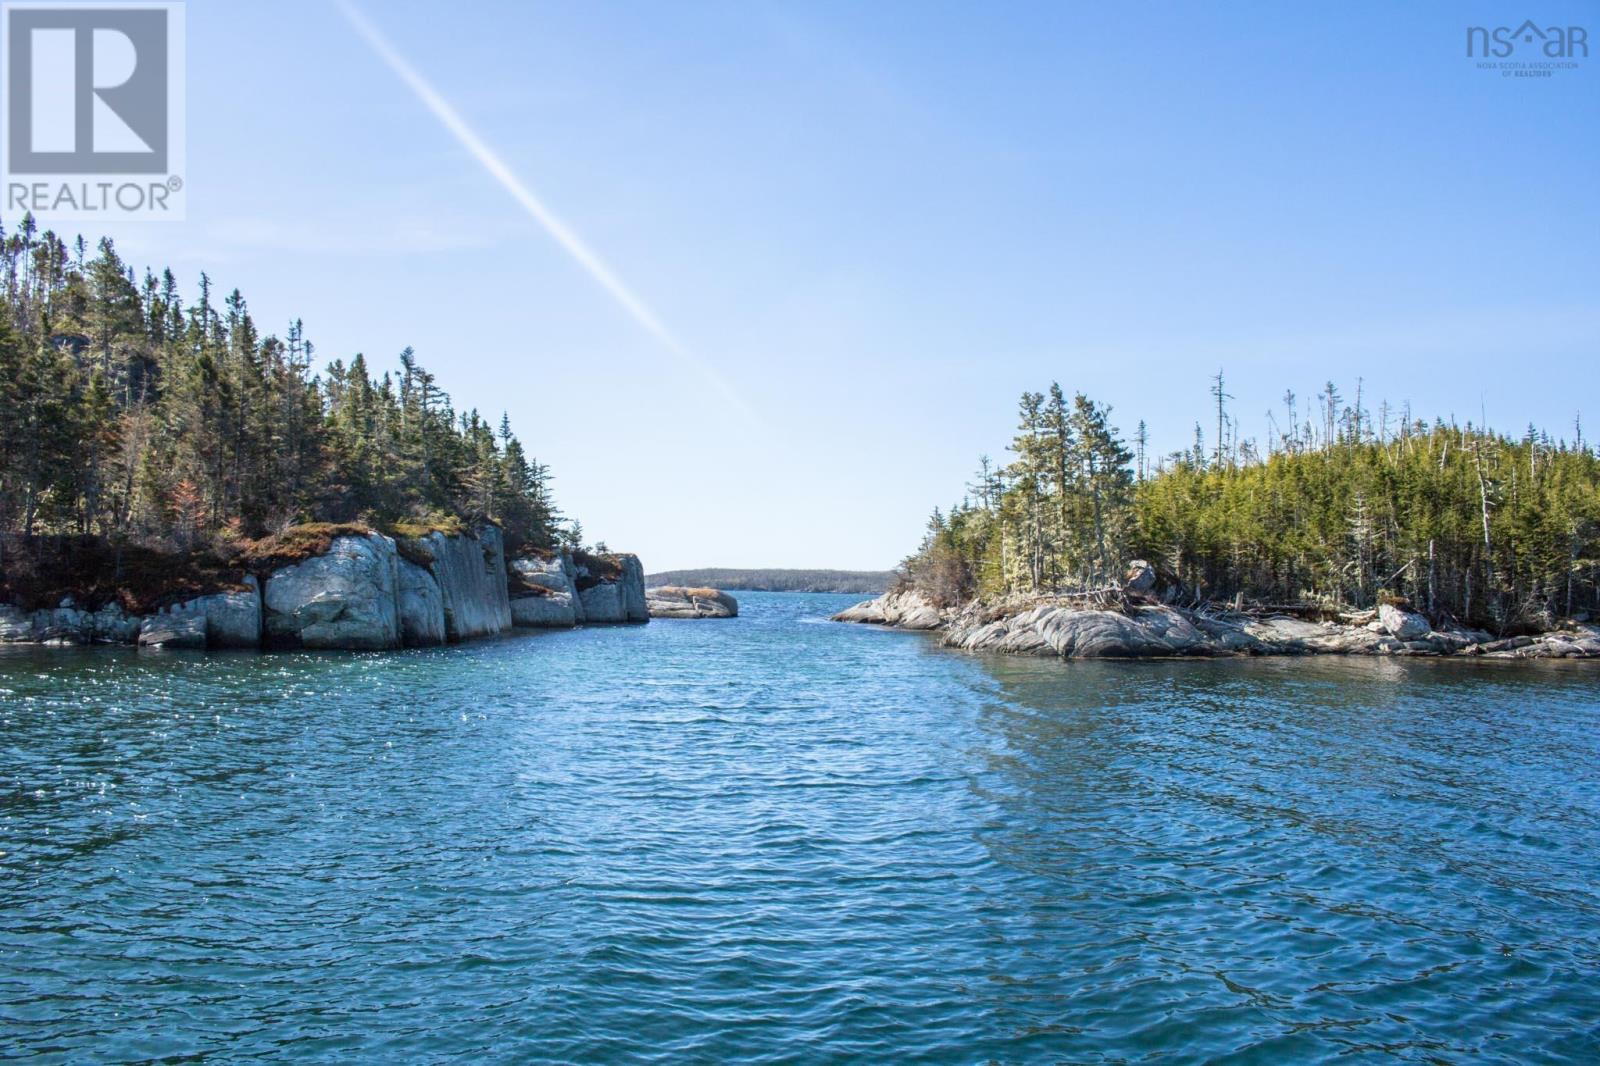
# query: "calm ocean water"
780,839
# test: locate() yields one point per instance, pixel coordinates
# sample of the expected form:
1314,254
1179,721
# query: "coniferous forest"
129,414
1344,505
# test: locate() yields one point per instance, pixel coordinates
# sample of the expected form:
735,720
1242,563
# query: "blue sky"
878,223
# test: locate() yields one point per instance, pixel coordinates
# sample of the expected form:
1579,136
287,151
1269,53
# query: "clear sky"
852,233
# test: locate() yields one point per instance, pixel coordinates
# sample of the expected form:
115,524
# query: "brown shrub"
297,544
40,572
603,569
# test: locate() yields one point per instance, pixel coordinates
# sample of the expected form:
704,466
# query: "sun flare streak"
558,230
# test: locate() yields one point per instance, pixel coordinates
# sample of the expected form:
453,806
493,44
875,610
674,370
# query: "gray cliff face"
557,597
471,572
231,619
362,594
634,604
1140,628
420,606
557,604
344,599
670,601
620,601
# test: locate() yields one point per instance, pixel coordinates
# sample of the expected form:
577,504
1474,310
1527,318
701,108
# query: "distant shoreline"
855,582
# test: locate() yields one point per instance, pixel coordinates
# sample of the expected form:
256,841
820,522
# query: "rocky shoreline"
367,591
1130,625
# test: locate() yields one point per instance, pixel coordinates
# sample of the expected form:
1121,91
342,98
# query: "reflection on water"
767,838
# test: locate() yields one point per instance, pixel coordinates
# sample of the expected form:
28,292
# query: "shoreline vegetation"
170,476
1351,531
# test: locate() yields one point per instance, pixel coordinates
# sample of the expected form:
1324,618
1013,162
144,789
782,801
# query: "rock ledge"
1132,626
672,601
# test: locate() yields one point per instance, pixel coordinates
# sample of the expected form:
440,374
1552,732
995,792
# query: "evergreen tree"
129,414
1463,522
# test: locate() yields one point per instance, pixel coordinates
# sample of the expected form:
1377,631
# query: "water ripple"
773,840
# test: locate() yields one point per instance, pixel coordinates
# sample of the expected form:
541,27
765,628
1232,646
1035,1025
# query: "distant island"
862,581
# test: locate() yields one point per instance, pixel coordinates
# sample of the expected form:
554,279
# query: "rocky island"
1146,618
673,601
1344,534
171,477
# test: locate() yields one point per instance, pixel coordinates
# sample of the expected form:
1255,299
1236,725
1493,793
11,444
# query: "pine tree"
128,413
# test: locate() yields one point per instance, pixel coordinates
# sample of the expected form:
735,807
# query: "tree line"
869,582
127,413
1342,506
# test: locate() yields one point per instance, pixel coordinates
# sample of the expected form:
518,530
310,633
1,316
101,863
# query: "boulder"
343,599
16,625
903,609
867,612
173,631
112,625
471,572
1584,634
671,601
920,616
545,592
419,606
620,599
63,625
1280,635
1402,624
1151,631
231,619
1140,578
69,625
1079,633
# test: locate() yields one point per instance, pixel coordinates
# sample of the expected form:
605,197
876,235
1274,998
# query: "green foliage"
1460,522
132,416
1058,516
